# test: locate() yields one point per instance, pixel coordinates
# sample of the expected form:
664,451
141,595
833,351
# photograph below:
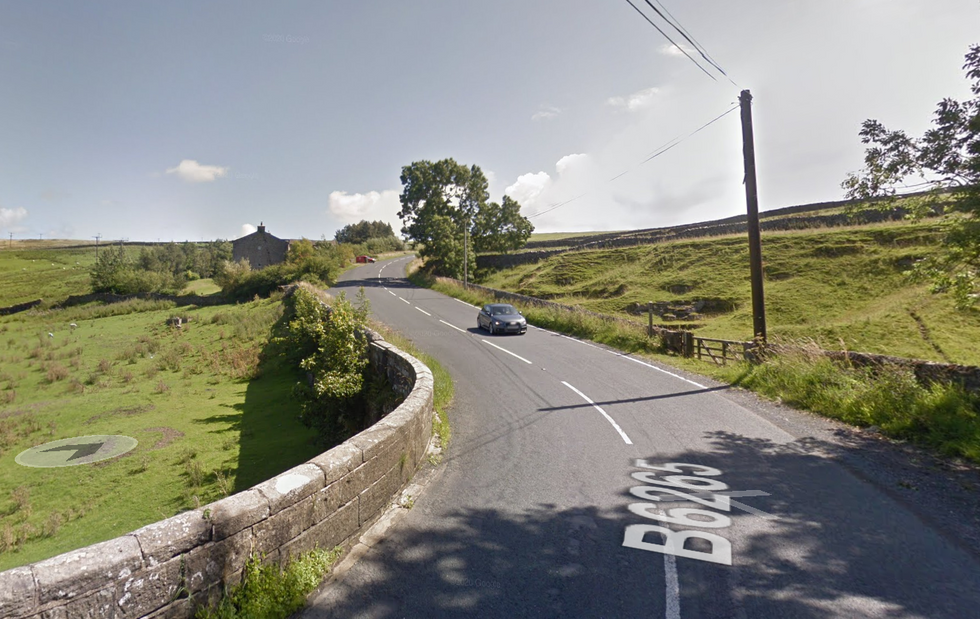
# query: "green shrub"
271,592
941,416
328,345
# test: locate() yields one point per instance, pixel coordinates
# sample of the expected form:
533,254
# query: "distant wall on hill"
721,227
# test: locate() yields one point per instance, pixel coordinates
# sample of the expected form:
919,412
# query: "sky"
195,121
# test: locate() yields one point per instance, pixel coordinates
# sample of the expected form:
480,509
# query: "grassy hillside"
841,287
212,415
43,272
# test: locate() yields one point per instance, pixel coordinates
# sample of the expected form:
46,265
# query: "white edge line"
422,310
453,326
507,351
604,413
465,303
650,365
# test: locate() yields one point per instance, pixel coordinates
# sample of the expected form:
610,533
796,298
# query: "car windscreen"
503,310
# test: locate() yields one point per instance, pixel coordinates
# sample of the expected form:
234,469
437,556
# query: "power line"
683,51
656,153
665,148
683,32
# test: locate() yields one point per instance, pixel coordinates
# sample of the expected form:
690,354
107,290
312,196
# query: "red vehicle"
364,259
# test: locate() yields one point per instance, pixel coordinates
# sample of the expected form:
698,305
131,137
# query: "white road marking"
403,300
604,413
650,365
391,293
465,303
673,587
507,351
422,310
453,326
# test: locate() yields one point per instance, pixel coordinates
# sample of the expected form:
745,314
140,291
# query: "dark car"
501,318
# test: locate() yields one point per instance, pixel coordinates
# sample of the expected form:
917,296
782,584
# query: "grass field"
212,416
44,272
839,287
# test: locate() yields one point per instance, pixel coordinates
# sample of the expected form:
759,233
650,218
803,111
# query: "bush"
943,417
321,268
270,592
328,344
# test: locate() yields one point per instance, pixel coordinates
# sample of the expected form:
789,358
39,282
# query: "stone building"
260,248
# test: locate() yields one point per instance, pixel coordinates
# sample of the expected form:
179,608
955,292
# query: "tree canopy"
946,158
446,209
362,231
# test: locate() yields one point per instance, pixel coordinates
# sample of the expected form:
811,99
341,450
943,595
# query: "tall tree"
947,157
501,227
445,209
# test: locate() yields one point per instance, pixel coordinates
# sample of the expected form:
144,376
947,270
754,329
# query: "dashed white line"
403,300
391,293
453,326
506,351
673,587
422,310
604,413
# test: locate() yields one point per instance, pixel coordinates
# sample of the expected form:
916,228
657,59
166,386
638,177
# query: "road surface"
584,483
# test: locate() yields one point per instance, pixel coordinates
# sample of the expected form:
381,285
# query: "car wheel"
490,328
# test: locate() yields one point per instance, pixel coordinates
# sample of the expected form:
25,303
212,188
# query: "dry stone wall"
169,568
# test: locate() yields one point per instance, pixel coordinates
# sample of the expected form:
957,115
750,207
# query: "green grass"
211,412
941,417
271,592
443,382
47,273
840,287
201,287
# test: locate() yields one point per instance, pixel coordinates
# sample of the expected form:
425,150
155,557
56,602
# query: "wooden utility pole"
752,207
97,237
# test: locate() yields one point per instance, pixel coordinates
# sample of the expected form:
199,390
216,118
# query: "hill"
843,287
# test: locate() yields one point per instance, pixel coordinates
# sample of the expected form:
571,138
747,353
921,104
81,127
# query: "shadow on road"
832,549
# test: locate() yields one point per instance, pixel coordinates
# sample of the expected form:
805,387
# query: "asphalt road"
576,473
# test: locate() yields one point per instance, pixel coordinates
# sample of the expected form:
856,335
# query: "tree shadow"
822,544
271,437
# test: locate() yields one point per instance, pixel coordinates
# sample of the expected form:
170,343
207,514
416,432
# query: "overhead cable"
656,153
683,51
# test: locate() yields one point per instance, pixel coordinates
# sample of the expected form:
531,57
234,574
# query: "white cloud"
566,163
9,217
194,172
673,50
371,206
546,112
528,187
636,101
247,229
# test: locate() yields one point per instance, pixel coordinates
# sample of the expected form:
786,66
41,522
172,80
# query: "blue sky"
189,121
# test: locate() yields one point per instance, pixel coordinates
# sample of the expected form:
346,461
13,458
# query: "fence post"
650,314
688,344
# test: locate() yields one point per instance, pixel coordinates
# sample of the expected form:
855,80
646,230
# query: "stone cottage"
260,248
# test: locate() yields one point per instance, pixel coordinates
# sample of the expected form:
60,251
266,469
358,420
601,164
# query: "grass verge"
443,391
942,417
273,592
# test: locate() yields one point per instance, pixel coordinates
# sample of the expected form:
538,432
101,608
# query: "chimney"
261,228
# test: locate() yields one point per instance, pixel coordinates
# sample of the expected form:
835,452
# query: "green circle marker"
77,450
